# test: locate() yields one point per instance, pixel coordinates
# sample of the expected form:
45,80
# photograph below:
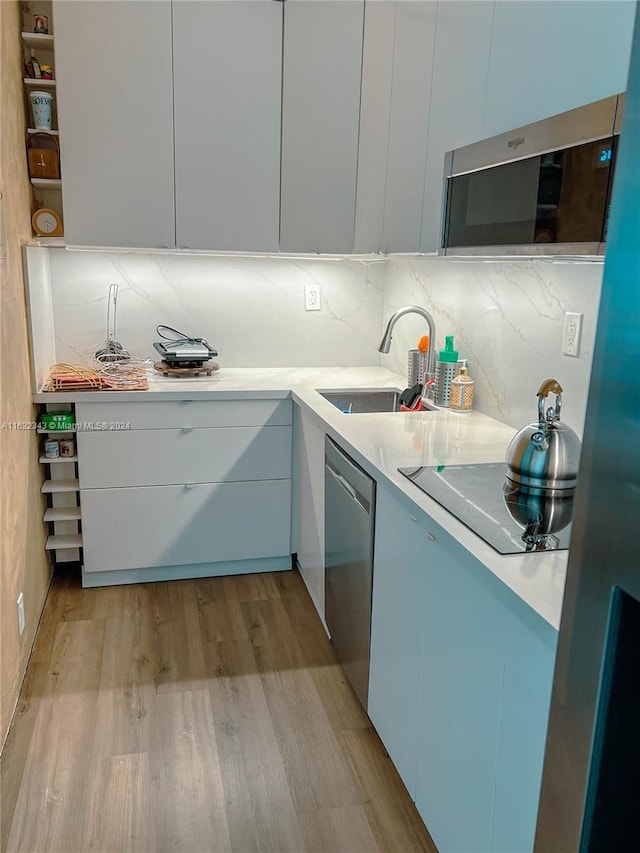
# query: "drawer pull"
413,518
430,536
189,485
186,429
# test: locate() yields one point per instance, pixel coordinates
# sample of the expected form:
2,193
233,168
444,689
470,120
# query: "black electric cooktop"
512,520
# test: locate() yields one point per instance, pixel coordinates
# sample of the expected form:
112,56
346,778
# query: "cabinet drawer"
177,456
180,525
172,414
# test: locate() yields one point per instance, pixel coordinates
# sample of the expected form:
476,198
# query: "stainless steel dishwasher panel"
349,502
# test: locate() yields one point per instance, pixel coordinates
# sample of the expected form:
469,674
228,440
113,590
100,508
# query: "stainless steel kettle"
545,454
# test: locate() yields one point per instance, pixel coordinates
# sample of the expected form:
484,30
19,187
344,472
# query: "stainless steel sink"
364,401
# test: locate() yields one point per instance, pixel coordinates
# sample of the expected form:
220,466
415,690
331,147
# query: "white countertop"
381,443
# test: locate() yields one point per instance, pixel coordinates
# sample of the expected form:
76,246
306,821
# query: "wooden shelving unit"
47,193
62,487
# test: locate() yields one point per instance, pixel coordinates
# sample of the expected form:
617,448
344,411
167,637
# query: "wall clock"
47,223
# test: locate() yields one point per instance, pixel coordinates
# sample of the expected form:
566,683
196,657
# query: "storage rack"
46,191
62,488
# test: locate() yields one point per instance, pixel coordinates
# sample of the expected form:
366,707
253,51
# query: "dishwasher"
349,512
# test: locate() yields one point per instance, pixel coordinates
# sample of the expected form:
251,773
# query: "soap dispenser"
446,367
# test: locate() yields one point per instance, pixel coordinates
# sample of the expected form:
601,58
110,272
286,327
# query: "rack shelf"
41,41
46,241
47,183
50,487
62,513
58,459
60,543
41,46
39,82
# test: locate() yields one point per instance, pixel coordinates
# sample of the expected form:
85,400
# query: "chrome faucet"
385,343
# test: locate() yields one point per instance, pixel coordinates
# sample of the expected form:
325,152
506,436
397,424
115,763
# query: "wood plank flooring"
204,715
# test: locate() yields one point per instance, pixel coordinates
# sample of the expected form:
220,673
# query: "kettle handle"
549,386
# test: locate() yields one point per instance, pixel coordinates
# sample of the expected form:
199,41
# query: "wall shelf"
47,183
39,83
41,47
50,487
46,241
39,41
45,460
61,543
63,513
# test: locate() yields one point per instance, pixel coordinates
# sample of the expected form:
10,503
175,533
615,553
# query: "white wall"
250,309
507,318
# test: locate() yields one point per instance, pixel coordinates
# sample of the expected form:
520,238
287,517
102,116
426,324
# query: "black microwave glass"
558,197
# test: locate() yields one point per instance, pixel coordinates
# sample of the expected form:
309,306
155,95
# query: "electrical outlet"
312,297
20,606
571,334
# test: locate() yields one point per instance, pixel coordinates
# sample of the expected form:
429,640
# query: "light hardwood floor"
204,715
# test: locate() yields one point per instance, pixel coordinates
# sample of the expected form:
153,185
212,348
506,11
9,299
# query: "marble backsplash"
507,319
506,316
251,309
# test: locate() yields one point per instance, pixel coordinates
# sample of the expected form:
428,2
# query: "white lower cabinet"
399,595
163,501
164,457
309,485
181,525
460,684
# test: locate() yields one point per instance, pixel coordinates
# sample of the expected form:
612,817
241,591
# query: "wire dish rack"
79,377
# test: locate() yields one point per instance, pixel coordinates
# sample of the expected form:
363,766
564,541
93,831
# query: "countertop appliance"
511,518
349,507
540,189
182,350
591,776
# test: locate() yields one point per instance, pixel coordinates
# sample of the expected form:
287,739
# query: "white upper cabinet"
550,57
499,65
414,38
460,68
375,111
320,120
227,59
306,126
397,62
115,112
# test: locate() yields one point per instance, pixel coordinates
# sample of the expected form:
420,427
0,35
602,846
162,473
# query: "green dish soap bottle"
446,369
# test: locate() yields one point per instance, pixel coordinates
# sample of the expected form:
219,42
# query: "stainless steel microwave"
542,189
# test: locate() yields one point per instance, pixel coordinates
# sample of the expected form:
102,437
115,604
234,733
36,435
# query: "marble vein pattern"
250,309
507,319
